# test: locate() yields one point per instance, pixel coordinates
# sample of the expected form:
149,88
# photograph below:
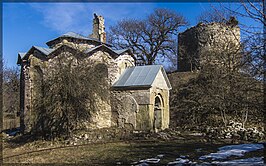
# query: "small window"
157,104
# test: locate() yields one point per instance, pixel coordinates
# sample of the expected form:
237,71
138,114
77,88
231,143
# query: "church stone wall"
38,69
130,108
25,99
124,61
140,108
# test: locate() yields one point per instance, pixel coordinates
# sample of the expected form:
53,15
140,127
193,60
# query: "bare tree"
254,10
11,90
10,94
68,95
150,38
254,40
220,15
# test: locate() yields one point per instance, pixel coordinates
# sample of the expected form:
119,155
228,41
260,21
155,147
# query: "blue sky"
28,24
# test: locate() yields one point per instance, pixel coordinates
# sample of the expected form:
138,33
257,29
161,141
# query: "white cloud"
63,17
77,17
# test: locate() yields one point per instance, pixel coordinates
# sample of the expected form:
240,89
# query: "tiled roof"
138,76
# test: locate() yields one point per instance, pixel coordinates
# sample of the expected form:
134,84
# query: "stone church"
143,90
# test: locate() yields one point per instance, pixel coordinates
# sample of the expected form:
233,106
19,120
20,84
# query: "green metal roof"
140,76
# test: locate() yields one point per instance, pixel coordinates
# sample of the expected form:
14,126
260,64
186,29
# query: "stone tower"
98,29
211,43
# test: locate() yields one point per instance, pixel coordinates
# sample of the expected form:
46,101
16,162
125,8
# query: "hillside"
223,105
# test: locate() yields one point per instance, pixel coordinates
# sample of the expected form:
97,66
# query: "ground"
120,151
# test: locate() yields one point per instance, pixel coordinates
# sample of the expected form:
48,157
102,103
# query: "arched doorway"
158,109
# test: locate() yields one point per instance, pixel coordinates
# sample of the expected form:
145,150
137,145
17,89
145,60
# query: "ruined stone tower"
98,29
210,43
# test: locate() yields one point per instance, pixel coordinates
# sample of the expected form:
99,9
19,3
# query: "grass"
117,152
124,153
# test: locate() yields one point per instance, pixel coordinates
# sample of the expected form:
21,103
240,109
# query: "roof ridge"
43,47
22,52
75,35
91,49
44,50
101,45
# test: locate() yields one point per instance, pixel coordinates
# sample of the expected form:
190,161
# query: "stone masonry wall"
32,73
135,108
98,29
130,109
77,45
124,61
195,44
25,98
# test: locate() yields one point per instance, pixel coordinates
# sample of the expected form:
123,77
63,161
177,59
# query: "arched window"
157,104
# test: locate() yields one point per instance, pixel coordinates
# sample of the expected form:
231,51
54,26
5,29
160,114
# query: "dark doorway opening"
157,125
